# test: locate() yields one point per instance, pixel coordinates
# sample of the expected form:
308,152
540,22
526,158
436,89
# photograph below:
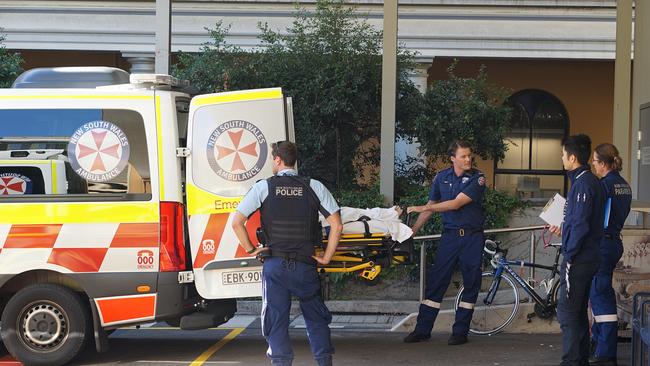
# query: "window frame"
530,171
90,197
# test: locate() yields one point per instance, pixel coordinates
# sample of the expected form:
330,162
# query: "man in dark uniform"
618,198
289,211
582,231
457,192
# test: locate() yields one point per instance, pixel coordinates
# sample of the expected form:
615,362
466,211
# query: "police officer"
289,211
582,231
618,197
457,192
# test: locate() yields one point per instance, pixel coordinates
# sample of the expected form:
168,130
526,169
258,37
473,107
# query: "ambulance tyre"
45,324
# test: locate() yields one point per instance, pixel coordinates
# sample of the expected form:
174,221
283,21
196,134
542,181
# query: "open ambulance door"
228,139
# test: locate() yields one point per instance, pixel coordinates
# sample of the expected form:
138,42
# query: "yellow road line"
217,346
171,328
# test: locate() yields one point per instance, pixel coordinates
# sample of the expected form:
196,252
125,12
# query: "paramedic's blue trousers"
282,278
604,331
466,250
572,312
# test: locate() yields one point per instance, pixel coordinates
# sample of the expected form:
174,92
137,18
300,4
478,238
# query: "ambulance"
105,178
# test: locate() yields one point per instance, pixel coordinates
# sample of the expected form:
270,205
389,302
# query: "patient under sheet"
379,221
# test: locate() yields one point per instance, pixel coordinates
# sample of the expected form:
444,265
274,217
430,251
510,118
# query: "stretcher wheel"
45,324
370,276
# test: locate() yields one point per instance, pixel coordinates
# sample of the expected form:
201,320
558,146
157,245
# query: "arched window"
532,168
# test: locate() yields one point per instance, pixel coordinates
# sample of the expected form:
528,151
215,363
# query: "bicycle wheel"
493,318
556,294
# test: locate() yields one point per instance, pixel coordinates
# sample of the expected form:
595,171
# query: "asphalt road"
240,343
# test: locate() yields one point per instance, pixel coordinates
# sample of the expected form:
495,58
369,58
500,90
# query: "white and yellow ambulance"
102,186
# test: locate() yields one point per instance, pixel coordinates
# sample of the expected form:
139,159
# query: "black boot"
416,337
455,340
602,361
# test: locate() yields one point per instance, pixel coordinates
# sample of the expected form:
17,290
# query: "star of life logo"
14,183
98,151
237,150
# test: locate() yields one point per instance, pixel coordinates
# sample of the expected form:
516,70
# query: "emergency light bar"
158,79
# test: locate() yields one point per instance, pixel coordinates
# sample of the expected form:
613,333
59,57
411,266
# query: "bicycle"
498,302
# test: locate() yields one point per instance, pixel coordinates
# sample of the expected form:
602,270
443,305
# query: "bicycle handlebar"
492,243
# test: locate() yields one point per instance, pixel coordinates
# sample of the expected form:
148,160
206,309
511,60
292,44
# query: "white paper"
553,212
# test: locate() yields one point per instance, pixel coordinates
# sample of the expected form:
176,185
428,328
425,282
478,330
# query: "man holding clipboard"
581,231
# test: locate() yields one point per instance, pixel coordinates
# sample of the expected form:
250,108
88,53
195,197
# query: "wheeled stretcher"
370,243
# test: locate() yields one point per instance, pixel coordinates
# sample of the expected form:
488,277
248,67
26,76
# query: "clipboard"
553,212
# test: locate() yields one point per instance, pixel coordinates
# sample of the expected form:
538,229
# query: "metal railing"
425,239
641,329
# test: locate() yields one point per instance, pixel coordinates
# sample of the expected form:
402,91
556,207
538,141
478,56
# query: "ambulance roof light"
158,79
71,77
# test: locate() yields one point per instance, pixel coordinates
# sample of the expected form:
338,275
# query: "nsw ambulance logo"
14,183
237,150
98,151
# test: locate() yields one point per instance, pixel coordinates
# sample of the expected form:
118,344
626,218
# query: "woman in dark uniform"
618,196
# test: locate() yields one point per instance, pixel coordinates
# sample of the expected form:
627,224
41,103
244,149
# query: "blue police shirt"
582,229
446,186
252,201
618,199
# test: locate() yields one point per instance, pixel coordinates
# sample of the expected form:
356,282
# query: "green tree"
329,62
10,64
470,108
219,66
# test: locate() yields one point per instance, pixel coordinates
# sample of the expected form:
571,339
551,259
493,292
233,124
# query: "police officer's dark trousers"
453,248
572,312
604,330
282,278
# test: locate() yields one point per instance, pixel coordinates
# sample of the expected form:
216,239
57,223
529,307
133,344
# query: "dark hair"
608,154
578,146
458,144
286,150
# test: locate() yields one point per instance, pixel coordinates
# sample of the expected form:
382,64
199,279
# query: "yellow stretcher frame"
366,254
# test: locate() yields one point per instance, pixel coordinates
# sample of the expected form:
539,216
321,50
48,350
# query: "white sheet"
382,221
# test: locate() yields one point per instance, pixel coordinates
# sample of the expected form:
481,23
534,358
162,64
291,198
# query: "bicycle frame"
505,264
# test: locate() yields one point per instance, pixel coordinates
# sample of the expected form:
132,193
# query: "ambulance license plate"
241,277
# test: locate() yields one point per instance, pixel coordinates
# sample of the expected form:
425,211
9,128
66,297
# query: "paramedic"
456,192
289,207
582,233
618,198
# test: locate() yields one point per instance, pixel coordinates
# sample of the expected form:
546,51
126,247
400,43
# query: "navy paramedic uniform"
462,241
582,231
604,331
289,212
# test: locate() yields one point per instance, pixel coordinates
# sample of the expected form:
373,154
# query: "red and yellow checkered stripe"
79,247
218,241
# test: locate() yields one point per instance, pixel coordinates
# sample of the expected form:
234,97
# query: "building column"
640,87
420,76
622,84
141,63
388,103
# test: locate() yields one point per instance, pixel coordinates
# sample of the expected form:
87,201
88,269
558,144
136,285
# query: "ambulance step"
216,313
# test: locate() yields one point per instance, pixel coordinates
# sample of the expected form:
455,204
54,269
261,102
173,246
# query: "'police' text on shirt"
288,192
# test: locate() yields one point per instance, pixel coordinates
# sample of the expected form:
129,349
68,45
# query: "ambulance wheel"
45,324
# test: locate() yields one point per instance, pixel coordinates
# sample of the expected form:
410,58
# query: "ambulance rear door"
228,140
